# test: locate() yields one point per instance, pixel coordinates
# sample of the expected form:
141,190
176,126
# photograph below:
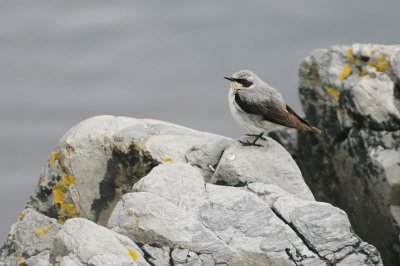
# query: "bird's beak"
230,79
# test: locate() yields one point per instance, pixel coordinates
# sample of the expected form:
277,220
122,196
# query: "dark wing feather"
270,112
278,113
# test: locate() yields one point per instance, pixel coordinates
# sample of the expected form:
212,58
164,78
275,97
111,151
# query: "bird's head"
242,80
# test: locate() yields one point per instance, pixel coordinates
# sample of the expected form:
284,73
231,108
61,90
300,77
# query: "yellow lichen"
133,253
381,64
21,216
350,55
21,259
53,157
41,231
167,159
10,236
67,210
353,59
335,93
137,221
42,179
68,180
345,72
363,72
58,193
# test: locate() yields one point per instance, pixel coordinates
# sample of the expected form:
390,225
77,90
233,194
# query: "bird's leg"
253,143
258,136
248,143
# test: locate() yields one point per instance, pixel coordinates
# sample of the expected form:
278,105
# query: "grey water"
64,61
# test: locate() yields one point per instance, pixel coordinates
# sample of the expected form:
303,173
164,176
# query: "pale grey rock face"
94,245
158,256
99,160
259,224
32,234
202,151
175,196
353,94
42,259
241,165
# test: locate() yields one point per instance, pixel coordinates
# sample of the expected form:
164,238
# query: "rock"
326,229
157,256
92,244
42,259
184,197
156,221
32,234
248,225
270,164
202,151
353,94
99,160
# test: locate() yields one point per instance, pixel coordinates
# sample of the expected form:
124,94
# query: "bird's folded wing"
272,111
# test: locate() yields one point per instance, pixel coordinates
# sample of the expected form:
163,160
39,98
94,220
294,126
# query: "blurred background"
62,62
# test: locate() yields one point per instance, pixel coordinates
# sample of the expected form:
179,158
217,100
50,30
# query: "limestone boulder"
125,191
174,208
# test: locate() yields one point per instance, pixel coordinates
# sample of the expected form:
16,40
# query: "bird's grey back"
262,93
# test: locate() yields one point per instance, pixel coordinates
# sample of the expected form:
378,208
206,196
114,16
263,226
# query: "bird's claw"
257,136
248,143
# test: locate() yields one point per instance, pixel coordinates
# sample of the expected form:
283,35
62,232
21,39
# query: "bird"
259,108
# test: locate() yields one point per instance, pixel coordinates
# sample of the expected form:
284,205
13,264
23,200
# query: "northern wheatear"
259,108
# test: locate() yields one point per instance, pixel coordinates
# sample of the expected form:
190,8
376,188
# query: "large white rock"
149,181
99,160
259,224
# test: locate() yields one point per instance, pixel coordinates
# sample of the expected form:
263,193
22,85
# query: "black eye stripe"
246,83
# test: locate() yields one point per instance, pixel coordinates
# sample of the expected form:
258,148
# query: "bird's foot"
257,136
248,143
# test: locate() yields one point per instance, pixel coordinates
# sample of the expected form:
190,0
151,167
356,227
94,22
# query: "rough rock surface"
353,94
170,195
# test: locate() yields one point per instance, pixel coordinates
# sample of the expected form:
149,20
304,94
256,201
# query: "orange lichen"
345,72
335,93
133,253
